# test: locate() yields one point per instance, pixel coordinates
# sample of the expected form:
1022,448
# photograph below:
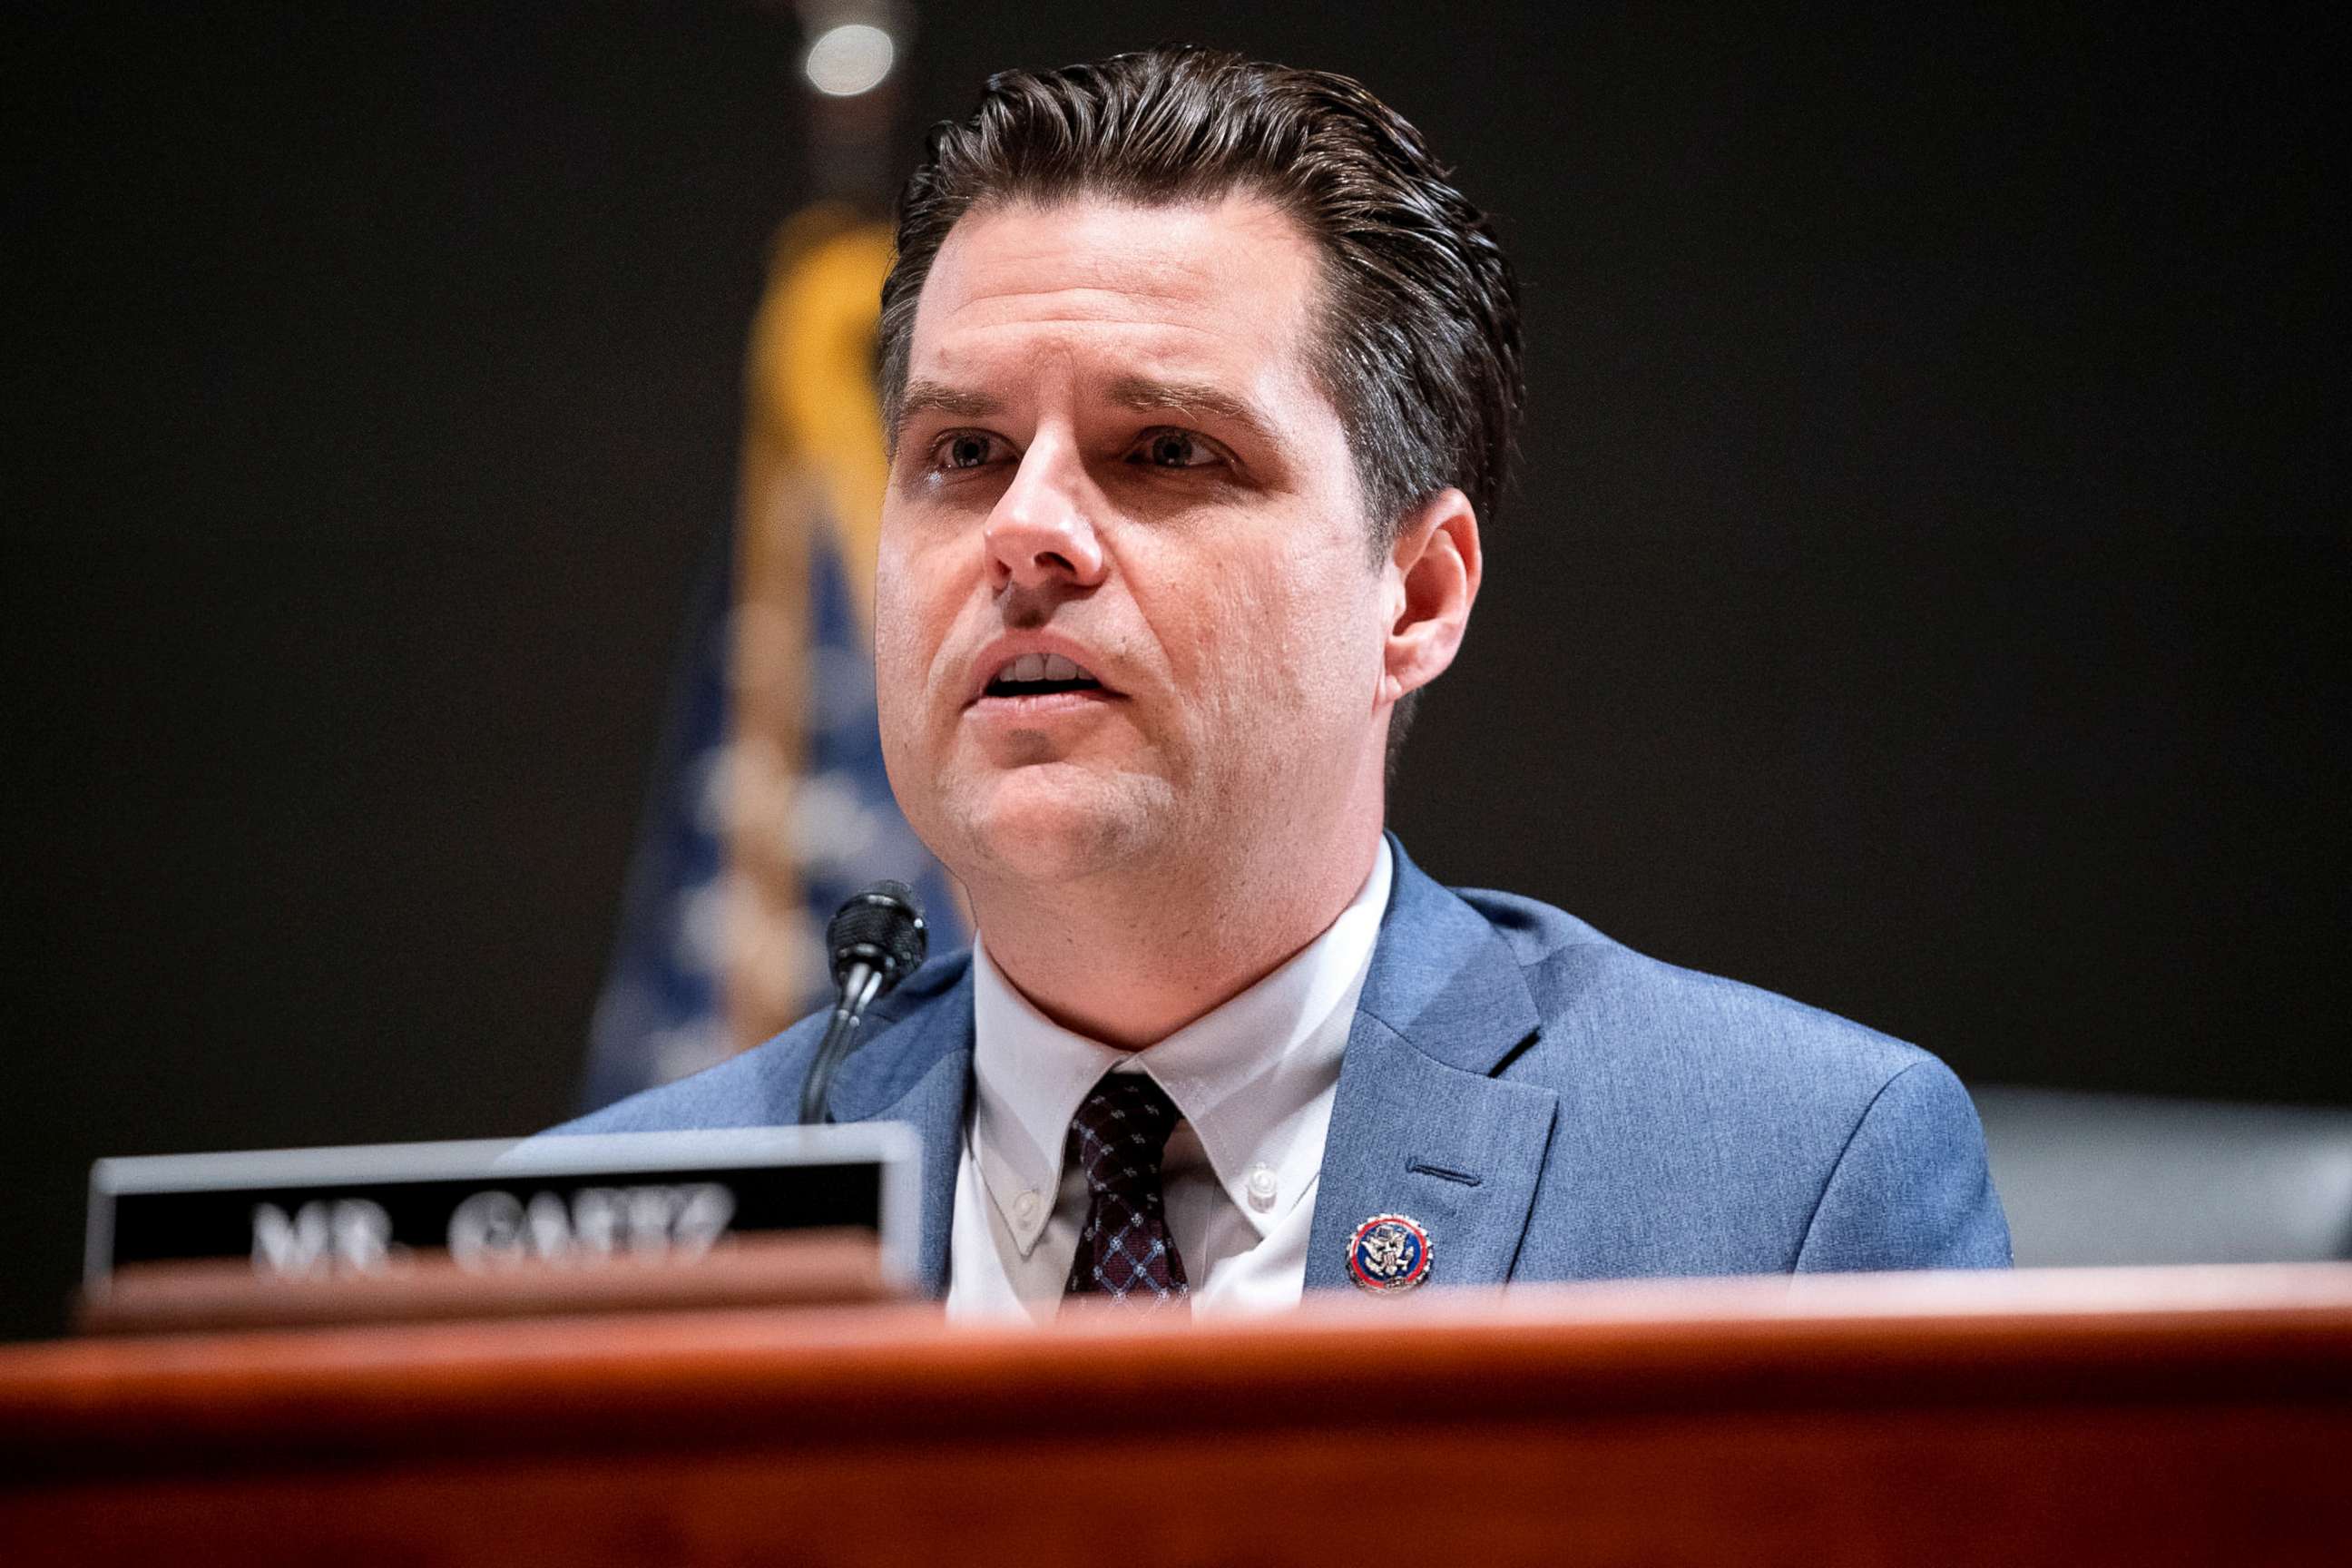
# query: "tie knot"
1122,1127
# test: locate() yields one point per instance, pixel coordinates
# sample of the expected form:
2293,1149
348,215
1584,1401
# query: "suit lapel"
1421,1127
917,1069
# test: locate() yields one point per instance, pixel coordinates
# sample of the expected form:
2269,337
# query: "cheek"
896,635
1220,630
1277,648
906,636
913,607
1333,649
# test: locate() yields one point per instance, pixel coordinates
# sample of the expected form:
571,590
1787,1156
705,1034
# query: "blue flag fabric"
662,1013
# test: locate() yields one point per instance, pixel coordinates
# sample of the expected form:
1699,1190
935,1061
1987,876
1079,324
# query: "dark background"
1922,595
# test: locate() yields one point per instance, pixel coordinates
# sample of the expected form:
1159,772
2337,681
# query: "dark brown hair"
1420,343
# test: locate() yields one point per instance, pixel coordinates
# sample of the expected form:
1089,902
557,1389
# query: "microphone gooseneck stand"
877,940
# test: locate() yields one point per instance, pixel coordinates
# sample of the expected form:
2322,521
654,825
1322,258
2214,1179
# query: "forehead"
1226,287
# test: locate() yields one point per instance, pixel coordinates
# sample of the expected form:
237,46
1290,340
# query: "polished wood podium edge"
2234,1337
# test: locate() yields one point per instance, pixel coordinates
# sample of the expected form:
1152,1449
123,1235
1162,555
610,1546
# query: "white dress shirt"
1254,1081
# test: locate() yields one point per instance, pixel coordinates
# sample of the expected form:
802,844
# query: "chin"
1057,823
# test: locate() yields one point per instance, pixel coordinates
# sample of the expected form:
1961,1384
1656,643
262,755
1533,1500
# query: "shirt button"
1024,1207
1262,1186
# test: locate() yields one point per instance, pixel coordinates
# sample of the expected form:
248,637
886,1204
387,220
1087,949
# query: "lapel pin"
1389,1252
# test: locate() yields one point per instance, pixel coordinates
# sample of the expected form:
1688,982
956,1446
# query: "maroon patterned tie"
1125,1251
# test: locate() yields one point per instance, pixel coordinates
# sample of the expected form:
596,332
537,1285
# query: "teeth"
1032,666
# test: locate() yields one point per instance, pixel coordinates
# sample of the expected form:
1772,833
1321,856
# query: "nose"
1041,532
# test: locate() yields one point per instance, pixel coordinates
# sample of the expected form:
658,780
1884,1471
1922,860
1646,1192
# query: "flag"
768,804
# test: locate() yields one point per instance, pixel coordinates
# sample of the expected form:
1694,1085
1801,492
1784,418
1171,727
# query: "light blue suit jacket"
1549,1104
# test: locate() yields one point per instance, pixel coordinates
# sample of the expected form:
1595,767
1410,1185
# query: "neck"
1129,959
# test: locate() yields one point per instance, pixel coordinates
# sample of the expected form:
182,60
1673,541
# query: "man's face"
1113,454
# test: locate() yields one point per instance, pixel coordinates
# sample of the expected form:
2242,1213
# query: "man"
1199,378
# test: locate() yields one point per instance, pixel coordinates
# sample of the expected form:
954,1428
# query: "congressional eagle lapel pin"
1389,1252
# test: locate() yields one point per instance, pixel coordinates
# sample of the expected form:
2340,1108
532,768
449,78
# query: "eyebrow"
927,398
1193,399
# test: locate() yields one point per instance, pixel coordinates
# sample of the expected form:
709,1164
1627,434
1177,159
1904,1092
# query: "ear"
1431,579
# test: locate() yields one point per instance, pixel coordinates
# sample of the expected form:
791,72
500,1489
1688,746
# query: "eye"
962,449
1175,449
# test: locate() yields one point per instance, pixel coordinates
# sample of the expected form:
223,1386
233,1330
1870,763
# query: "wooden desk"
2139,1416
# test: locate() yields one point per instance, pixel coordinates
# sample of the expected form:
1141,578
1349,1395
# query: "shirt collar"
1254,1075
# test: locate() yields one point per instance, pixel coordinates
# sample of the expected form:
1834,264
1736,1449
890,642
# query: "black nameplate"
318,1213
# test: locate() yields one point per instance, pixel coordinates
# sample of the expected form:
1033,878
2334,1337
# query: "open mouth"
1040,675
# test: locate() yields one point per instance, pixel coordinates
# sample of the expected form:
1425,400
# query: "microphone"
877,940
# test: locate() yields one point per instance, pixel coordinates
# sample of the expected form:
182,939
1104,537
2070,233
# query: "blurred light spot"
849,59
831,824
